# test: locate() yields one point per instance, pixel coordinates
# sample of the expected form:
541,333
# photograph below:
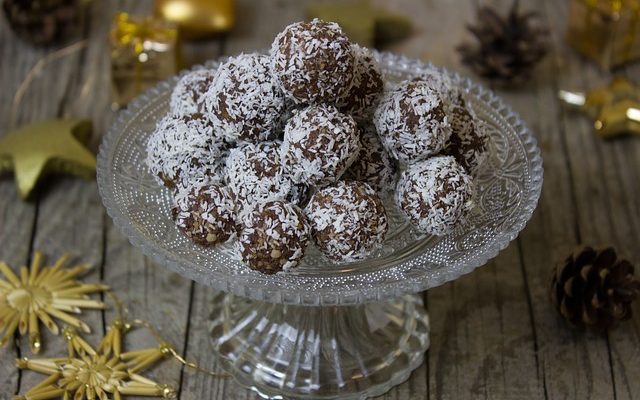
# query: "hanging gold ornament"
198,19
144,51
40,295
46,147
615,107
88,373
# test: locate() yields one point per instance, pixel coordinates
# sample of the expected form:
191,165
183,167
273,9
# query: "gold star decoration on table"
88,373
40,295
615,107
41,148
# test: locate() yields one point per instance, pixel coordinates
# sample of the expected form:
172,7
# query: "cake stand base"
291,351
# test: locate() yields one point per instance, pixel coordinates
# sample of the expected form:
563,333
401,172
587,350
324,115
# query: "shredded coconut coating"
367,87
205,214
374,165
443,85
184,151
313,61
435,194
320,143
348,220
469,141
254,174
412,121
274,237
188,95
244,101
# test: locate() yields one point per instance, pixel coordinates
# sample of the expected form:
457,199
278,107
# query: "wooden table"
494,333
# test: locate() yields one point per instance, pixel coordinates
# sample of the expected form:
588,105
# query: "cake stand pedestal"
296,351
318,332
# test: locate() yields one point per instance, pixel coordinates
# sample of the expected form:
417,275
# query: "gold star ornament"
88,373
42,148
615,108
38,295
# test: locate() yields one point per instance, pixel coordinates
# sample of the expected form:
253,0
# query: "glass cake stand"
350,330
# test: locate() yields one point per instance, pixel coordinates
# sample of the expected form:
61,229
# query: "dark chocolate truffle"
320,143
362,99
244,100
374,165
313,61
274,237
412,121
469,140
435,194
185,148
348,220
254,174
188,95
205,214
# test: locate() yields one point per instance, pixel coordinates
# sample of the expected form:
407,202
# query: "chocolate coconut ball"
412,121
435,194
347,219
185,148
313,61
373,165
443,85
469,140
254,174
244,101
205,214
274,237
188,95
366,90
320,143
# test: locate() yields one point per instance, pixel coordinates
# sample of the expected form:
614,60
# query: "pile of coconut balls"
276,151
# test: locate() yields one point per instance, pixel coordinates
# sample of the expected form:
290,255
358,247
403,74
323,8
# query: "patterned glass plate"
509,185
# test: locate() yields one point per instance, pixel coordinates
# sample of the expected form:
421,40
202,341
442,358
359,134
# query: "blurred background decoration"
362,22
144,51
505,49
606,31
43,22
198,19
614,108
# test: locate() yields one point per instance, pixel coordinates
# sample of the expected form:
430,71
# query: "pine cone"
508,48
42,21
594,288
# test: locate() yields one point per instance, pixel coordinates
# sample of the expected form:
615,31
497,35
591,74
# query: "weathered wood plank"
566,214
70,215
624,154
19,218
16,217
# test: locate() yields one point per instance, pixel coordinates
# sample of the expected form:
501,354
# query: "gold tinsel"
40,295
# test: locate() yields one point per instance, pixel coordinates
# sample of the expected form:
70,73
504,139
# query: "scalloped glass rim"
398,278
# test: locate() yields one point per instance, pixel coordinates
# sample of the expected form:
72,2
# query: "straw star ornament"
40,295
101,373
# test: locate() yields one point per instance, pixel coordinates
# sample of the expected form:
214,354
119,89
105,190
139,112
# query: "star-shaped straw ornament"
40,295
41,148
89,373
